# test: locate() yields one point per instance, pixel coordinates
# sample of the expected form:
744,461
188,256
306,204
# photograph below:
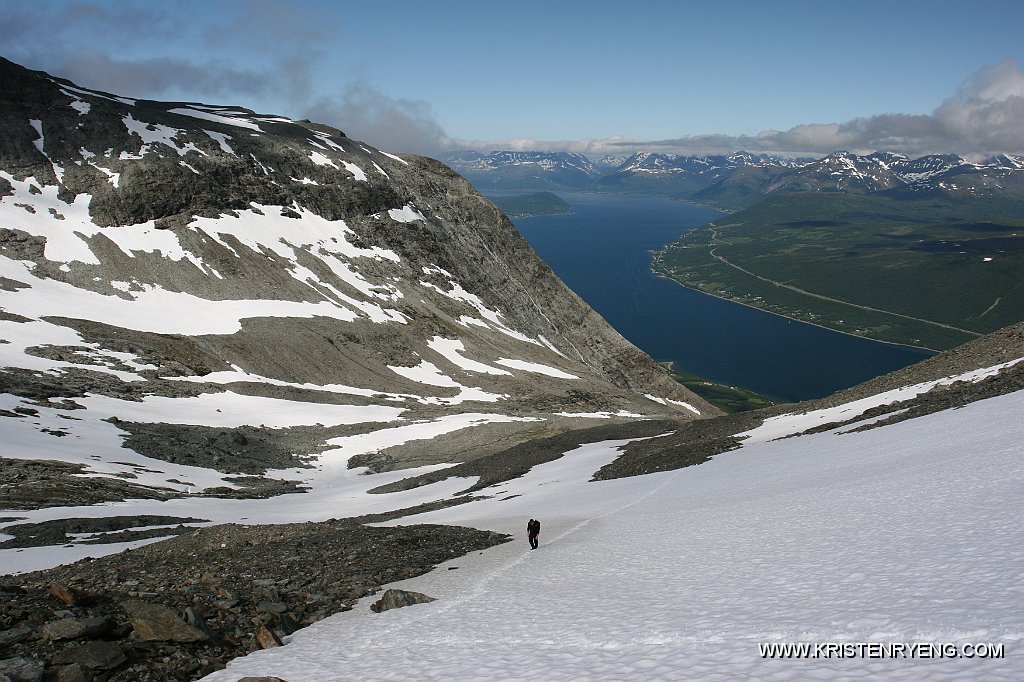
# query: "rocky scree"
182,608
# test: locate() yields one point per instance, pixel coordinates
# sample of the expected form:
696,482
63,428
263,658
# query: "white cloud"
398,125
984,116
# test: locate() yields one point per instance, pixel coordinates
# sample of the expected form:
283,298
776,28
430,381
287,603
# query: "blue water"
602,251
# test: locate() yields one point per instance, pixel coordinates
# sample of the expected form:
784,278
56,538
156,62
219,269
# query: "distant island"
527,205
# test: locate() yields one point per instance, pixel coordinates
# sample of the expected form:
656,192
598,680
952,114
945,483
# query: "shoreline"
793,319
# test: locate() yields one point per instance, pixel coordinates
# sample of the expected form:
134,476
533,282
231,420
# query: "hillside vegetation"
931,271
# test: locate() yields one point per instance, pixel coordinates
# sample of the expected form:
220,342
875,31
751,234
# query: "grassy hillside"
525,205
932,272
729,399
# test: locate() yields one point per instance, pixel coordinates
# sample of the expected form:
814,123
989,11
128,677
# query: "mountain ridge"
736,180
188,286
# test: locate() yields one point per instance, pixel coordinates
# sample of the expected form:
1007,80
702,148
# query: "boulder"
396,599
65,628
92,655
21,669
265,637
14,635
73,672
274,607
64,593
155,623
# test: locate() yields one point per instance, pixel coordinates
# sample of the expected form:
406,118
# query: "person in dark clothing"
533,533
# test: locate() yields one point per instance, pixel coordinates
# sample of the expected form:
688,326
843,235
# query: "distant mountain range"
742,179
525,170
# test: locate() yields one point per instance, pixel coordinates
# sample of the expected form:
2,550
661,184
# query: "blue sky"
591,76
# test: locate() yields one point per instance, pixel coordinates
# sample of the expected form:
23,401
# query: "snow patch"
406,214
356,171
321,159
535,367
793,423
667,401
239,122
452,349
398,159
221,139
157,133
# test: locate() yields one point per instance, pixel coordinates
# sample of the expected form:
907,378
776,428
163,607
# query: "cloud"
266,54
985,116
987,112
399,125
256,53
252,50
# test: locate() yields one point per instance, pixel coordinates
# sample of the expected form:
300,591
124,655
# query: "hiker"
533,532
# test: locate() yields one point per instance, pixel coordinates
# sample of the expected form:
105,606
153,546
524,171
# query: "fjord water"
602,251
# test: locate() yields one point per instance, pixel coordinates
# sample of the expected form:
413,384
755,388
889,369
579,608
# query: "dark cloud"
159,77
254,51
398,125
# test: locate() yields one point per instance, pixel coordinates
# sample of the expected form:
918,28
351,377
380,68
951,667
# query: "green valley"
932,271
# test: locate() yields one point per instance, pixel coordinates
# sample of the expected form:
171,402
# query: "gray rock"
97,626
341,560
21,670
14,635
274,607
92,655
155,623
66,628
73,672
396,599
193,618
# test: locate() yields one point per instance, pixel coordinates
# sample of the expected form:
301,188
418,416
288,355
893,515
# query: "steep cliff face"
215,288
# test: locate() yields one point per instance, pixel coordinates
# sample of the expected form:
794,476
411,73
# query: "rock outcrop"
396,599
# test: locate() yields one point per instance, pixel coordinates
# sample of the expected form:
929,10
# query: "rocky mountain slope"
192,295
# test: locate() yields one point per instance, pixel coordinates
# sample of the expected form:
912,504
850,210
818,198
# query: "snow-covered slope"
894,553
880,528
191,293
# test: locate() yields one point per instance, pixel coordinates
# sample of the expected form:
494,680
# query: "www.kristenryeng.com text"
915,650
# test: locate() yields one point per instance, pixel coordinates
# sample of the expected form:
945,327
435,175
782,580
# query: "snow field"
334,490
908,533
